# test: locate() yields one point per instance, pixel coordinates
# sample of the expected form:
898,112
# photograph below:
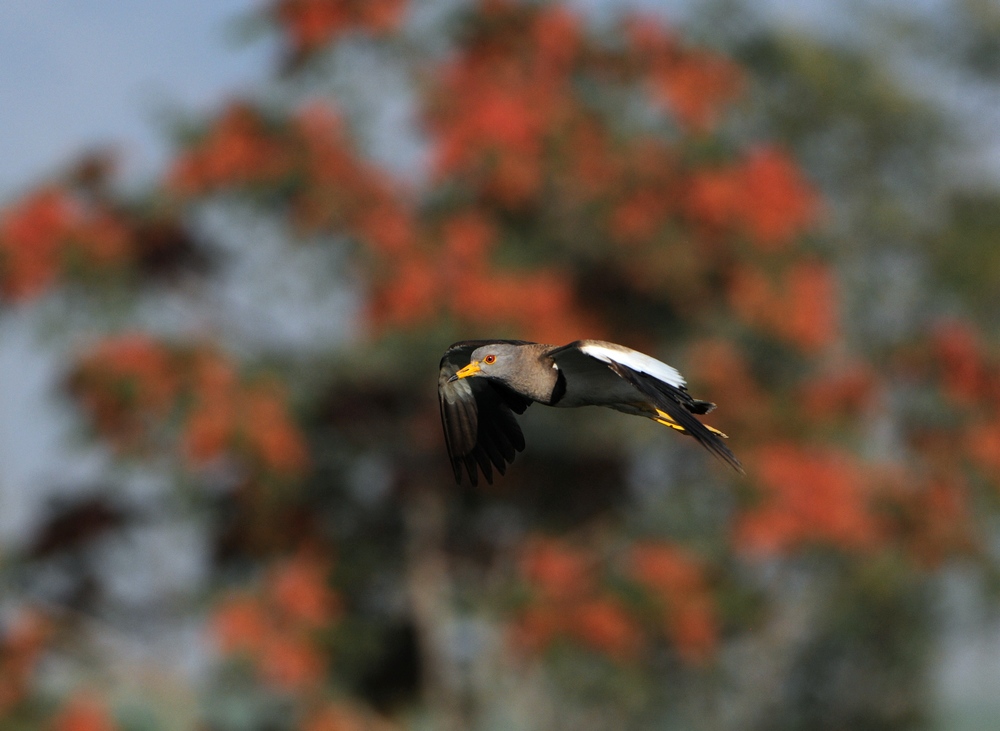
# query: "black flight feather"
681,407
480,430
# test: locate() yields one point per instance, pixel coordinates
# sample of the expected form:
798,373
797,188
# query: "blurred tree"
579,181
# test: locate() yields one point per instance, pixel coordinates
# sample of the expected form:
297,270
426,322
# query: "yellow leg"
716,431
664,418
671,424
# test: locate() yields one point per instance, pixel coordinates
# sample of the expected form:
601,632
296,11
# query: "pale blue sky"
79,73
75,74
90,72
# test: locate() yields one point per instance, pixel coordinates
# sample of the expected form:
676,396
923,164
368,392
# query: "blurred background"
236,238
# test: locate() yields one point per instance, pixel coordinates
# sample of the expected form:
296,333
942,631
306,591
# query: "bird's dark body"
477,413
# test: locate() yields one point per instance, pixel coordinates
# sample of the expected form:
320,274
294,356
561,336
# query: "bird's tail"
708,436
676,409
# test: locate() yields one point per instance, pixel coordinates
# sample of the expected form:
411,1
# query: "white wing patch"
612,353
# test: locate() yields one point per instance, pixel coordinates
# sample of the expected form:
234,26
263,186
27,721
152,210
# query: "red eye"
490,359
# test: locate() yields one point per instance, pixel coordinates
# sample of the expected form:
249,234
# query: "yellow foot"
671,424
716,431
664,418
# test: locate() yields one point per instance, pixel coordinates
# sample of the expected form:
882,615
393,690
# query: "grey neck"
537,377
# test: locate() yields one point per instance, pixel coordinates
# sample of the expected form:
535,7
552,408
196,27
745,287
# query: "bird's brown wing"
477,414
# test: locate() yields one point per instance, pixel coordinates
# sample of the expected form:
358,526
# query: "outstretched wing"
477,414
658,383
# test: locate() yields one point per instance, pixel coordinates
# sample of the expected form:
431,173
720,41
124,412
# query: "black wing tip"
477,462
710,440
472,470
681,407
714,444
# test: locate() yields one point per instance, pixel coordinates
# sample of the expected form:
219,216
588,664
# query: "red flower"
810,495
676,579
127,384
725,373
212,421
208,431
84,712
557,36
238,150
32,235
240,623
276,627
945,527
764,196
410,295
592,168
20,649
341,717
604,624
639,218
381,16
959,351
984,445
810,317
298,588
665,569
104,239
311,24
648,37
271,436
715,197
468,237
693,627
290,663
800,306
778,203
696,86
753,298
558,571
389,229
538,625
847,390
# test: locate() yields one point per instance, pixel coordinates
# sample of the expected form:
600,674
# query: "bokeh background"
236,237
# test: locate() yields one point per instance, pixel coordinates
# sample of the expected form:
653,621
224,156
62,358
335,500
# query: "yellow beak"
469,370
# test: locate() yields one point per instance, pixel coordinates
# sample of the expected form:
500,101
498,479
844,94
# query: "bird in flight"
484,383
